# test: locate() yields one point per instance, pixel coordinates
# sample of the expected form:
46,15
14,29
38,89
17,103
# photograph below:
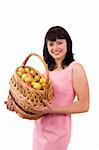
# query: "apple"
45,85
42,80
27,70
19,73
33,72
21,69
37,86
24,75
29,75
37,77
28,83
33,79
29,79
32,83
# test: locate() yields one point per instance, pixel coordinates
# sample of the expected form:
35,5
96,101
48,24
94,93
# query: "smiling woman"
68,78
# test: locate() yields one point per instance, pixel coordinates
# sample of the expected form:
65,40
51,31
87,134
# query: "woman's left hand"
42,111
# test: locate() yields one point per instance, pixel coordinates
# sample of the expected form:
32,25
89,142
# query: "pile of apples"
32,78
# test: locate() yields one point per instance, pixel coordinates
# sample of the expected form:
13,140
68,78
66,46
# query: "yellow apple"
33,79
27,70
37,77
45,85
37,86
33,72
21,69
42,80
32,83
29,79
19,73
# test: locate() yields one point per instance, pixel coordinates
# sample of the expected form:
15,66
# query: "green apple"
23,76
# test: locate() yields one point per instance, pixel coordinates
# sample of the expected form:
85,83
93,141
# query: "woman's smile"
56,52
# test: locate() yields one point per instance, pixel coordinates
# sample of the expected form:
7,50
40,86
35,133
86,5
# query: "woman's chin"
57,56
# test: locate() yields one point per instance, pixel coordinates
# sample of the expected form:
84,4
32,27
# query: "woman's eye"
59,42
51,44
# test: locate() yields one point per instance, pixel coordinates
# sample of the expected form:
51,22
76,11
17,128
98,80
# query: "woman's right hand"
9,103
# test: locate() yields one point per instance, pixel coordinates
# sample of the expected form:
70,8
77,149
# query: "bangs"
55,34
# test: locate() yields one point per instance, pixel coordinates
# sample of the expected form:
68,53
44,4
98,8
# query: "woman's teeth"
56,52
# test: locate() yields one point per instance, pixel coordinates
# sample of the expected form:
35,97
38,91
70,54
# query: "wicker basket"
25,98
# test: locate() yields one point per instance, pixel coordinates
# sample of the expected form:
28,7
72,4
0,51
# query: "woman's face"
58,48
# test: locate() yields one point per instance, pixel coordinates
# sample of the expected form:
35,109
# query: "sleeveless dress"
53,131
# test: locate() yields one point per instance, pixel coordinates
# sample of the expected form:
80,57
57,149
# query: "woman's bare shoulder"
78,68
79,75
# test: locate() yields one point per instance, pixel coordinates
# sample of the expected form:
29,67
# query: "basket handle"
45,65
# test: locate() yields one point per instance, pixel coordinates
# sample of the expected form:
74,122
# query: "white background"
23,24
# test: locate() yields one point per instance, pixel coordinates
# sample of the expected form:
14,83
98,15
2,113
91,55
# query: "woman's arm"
81,89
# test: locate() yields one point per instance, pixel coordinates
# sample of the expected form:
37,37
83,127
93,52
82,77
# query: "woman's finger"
37,112
39,109
12,108
46,103
9,104
5,102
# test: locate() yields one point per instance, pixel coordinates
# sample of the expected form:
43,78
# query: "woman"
53,131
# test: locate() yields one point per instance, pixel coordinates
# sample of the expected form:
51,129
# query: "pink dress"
53,131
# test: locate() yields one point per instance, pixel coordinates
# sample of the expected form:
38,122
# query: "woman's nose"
55,46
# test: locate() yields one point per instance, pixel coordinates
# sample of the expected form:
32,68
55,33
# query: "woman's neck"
58,64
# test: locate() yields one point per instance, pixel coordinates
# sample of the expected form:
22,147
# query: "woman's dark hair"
53,34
